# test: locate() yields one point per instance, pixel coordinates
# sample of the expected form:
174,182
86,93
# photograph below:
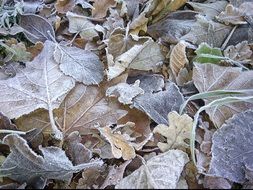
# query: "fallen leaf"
210,10
216,183
170,98
239,52
81,25
207,54
209,77
35,49
231,150
119,145
36,28
179,129
75,150
63,6
125,92
82,65
160,172
178,58
143,57
234,15
5,124
32,6
24,165
101,7
115,174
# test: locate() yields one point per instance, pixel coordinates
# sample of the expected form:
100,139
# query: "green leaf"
207,54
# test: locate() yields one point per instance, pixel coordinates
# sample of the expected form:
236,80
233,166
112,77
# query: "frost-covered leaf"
80,24
232,148
178,58
82,65
120,145
125,92
239,52
234,15
101,7
83,108
179,129
209,77
63,6
40,85
160,103
207,54
5,124
160,172
36,28
211,9
145,57
24,165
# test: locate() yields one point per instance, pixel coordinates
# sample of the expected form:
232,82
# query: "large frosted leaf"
82,65
160,172
232,148
209,77
24,165
159,104
36,28
40,85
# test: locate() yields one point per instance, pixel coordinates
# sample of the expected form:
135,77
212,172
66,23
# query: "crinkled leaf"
120,146
160,172
179,129
101,7
207,54
209,77
125,92
36,28
159,104
82,65
178,58
63,6
232,148
24,165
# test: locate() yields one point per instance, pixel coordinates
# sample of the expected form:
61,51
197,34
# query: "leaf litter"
126,94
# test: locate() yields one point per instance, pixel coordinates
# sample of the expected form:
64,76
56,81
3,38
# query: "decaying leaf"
209,77
119,144
63,6
125,92
82,65
179,129
178,58
239,52
170,99
101,7
232,150
5,123
24,165
81,25
207,54
36,28
160,172
234,15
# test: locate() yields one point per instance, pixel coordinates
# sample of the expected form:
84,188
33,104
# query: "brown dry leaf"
35,49
5,123
63,6
239,52
234,15
178,130
160,172
120,144
101,7
178,58
209,77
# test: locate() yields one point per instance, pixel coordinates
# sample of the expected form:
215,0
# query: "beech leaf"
26,166
231,149
160,172
36,28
